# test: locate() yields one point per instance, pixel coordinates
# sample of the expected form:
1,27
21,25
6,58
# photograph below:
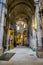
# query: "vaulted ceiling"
23,9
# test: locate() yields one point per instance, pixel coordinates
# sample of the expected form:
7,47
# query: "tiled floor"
23,56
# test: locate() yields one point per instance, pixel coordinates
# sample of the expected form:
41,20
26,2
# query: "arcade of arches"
21,23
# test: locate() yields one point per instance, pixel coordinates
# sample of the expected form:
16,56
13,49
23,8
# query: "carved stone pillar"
38,33
34,26
2,19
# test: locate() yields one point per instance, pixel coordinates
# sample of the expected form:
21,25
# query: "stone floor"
23,56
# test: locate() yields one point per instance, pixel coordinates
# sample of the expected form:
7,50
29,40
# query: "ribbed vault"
23,9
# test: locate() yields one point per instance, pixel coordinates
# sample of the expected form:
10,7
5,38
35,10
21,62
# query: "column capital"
36,1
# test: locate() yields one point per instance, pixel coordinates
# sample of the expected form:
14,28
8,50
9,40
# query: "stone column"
2,19
38,33
33,33
7,45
